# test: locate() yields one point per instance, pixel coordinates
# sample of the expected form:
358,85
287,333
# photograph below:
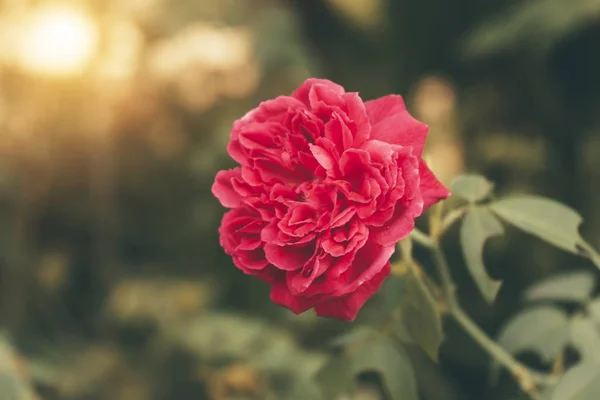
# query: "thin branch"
527,378
410,264
451,218
422,238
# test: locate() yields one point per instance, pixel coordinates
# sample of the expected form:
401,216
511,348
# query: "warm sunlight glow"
56,41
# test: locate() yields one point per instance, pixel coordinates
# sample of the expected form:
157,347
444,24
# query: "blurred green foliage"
112,282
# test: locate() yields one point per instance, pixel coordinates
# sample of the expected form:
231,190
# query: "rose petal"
347,307
223,190
431,189
323,157
337,131
302,93
368,262
274,110
299,281
250,265
260,136
343,217
380,151
288,258
357,113
384,107
269,234
400,225
281,295
326,93
396,125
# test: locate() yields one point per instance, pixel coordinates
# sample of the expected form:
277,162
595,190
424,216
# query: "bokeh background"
114,118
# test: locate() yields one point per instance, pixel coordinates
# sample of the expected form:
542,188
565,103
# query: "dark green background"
109,231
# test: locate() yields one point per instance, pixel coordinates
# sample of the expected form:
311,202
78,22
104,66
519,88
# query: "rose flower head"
326,187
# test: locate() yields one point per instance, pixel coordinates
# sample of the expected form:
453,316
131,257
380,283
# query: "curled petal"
400,225
368,262
431,189
273,110
303,92
396,125
337,131
288,258
323,157
380,151
223,189
282,296
357,113
326,93
270,233
299,281
347,307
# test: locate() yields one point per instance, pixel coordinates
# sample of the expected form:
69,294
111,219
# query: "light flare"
56,40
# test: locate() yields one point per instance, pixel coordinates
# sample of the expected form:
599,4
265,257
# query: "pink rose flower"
327,185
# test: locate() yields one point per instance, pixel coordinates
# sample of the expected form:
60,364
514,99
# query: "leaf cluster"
407,312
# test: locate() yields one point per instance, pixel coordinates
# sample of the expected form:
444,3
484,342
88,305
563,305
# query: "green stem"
452,217
527,378
422,238
591,253
448,284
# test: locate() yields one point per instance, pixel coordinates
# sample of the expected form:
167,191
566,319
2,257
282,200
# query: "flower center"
307,272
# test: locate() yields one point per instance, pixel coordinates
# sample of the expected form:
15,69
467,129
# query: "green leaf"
574,286
477,227
594,309
542,329
11,388
402,333
420,317
304,388
357,334
585,337
379,309
336,377
393,365
547,219
472,188
581,382
532,25
547,392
